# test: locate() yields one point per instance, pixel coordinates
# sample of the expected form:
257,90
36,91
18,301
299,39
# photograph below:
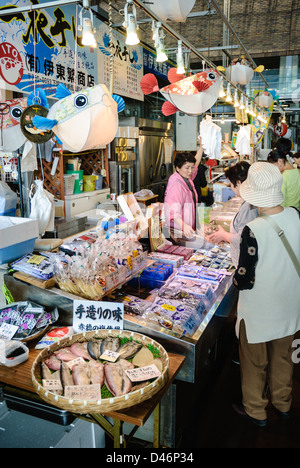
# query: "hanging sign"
38,48
94,315
259,127
127,63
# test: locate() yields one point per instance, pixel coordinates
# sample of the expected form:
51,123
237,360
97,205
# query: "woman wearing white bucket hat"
266,275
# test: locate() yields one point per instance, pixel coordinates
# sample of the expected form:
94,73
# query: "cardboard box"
17,237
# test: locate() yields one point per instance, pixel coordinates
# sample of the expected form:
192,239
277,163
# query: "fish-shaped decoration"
263,98
192,95
11,136
83,120
240,71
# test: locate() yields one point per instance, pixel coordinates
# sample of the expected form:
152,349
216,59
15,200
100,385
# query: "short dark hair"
296,155
237,172
276,154
182,158
284,145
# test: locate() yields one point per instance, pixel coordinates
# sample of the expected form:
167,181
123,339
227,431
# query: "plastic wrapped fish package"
204,274
30,318
169,314
38,266
134,305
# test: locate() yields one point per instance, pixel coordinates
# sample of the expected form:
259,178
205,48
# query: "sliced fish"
112,343
65,354
116,379
53,363
94,348
47,375
80,350
80,374
65,375
129,349
96,372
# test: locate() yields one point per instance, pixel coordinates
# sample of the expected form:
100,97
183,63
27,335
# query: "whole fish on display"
129,349
47,375
80,374
80,350
94,348
116,379
53,363
112,343
83,120
65,375
65,354
192,95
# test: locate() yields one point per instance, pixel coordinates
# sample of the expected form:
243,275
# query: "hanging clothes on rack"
211,137
243,139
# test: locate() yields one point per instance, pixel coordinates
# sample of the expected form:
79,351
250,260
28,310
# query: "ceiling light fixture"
130,24
222,92
228,93
236,99
86,26
180,61
160,44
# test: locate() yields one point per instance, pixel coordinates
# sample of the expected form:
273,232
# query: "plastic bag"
42,208
8,200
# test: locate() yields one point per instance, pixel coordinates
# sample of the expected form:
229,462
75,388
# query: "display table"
19,377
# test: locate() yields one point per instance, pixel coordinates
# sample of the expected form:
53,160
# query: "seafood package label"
141,374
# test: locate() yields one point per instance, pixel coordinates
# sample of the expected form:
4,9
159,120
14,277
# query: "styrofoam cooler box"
17,237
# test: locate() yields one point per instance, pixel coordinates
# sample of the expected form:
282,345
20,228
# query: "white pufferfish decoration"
83,120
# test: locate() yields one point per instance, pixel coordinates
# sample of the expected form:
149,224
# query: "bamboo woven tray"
105,405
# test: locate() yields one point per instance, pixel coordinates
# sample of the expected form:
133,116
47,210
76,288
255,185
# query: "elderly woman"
181,196
266,273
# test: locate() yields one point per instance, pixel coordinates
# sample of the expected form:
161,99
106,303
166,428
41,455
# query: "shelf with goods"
92,161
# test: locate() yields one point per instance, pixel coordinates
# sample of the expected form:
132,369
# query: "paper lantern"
280,129
264,99
193,95
11,136
173,10
239,74
83,120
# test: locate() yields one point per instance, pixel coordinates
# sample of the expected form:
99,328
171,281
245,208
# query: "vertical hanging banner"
259,127
127,63
39,48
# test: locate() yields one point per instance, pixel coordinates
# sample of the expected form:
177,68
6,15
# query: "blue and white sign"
42,48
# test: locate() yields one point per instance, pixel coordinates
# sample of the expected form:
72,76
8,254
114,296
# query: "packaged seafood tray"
90,377
201,273
38,266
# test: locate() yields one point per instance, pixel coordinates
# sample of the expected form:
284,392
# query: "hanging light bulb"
86,26
228,94
248,108
222,92
130,25
160,45
242,105
236,99
283,120
180,61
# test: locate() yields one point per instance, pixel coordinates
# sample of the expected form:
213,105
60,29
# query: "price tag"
52,384
139,262
83,392
73,363
115,278
7,331
109,355
36,259
140,374
168,307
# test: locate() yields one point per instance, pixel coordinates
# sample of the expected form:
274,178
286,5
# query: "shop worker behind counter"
266,276
181,197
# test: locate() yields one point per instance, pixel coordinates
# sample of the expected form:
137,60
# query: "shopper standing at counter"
181,197
265,275
291,178
236,175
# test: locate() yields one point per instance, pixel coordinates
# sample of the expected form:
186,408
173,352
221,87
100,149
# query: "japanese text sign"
96,315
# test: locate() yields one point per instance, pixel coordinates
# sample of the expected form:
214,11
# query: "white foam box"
17,237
